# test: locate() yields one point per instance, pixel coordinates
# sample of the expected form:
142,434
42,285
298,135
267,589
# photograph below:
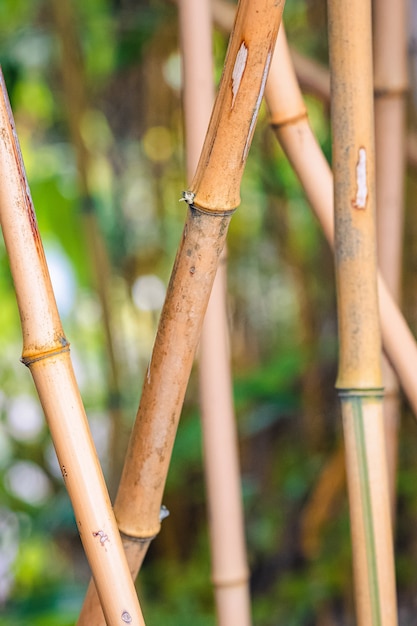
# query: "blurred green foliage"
282,316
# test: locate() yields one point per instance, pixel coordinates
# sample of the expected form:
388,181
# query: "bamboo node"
275,125
214,213
232,581
29,360
354,392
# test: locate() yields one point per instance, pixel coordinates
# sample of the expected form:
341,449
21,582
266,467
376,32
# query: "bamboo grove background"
95,88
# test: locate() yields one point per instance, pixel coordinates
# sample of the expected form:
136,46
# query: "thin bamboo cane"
390,85
227,538
46,353
75,90
359,377
212,198
290,123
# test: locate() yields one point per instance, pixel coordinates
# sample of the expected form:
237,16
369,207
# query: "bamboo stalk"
390,85
359,377
230,571
291,126
212,198
46,353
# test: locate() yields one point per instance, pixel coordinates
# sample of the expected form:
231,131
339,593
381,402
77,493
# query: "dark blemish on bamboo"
102,535
126,618
192,270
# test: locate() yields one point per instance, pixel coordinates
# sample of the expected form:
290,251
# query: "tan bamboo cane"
46,353
290,123
230,571
390,85
359,378
212,198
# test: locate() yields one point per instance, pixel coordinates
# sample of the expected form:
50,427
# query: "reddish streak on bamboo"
46,353
229,562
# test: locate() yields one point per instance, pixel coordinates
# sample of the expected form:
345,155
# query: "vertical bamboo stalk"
76,98
212,198
291,126
227,538
46,353
359,376
390,84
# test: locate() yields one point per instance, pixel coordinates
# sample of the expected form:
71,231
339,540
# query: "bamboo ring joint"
29,360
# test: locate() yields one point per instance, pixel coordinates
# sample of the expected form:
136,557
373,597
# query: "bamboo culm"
359,379
46,353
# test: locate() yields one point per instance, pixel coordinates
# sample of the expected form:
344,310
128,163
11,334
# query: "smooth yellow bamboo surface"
218,176
229,566
291,126
46,353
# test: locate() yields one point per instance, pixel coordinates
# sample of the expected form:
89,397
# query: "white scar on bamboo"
361,186
257,105
238,70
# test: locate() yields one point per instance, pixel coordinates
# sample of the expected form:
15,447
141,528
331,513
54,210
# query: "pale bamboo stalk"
290,123
359,377
46,353
390,85
230,571
76,99
212,198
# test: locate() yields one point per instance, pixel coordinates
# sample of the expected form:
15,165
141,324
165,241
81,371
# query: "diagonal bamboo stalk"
46,353
212,198
359,377
230,571
290,123
390,85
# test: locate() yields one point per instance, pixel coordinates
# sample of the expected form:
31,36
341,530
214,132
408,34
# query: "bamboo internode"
46,353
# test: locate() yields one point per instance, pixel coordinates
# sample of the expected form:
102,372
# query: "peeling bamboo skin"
350,50
369,511
218,176
46,353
